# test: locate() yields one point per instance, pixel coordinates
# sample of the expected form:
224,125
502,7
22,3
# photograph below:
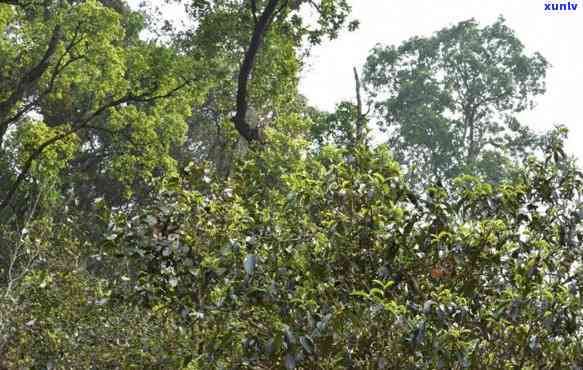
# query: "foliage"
139,238
451,98
328,254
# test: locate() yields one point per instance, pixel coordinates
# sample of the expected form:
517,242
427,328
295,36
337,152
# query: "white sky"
558,37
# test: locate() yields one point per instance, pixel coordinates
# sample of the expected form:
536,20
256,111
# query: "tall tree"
452,98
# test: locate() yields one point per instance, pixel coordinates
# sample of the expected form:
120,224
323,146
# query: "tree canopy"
452,98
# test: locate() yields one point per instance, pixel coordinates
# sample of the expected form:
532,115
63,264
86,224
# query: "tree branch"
30,79
283,6
10,2
254,10
57,70
316,6
360,119
241,124
83,123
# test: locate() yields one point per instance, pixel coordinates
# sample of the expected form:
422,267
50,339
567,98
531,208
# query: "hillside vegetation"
168,200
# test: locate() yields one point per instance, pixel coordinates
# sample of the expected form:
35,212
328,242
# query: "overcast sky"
558,37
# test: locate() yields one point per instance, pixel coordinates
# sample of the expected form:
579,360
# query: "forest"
169,199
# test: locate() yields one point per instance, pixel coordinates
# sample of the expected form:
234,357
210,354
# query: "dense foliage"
451,99
169,201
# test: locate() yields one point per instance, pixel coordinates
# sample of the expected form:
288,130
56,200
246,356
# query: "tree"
284,15
451,98
78,71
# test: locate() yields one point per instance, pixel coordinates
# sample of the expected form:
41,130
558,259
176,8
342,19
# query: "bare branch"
316,6
361,118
